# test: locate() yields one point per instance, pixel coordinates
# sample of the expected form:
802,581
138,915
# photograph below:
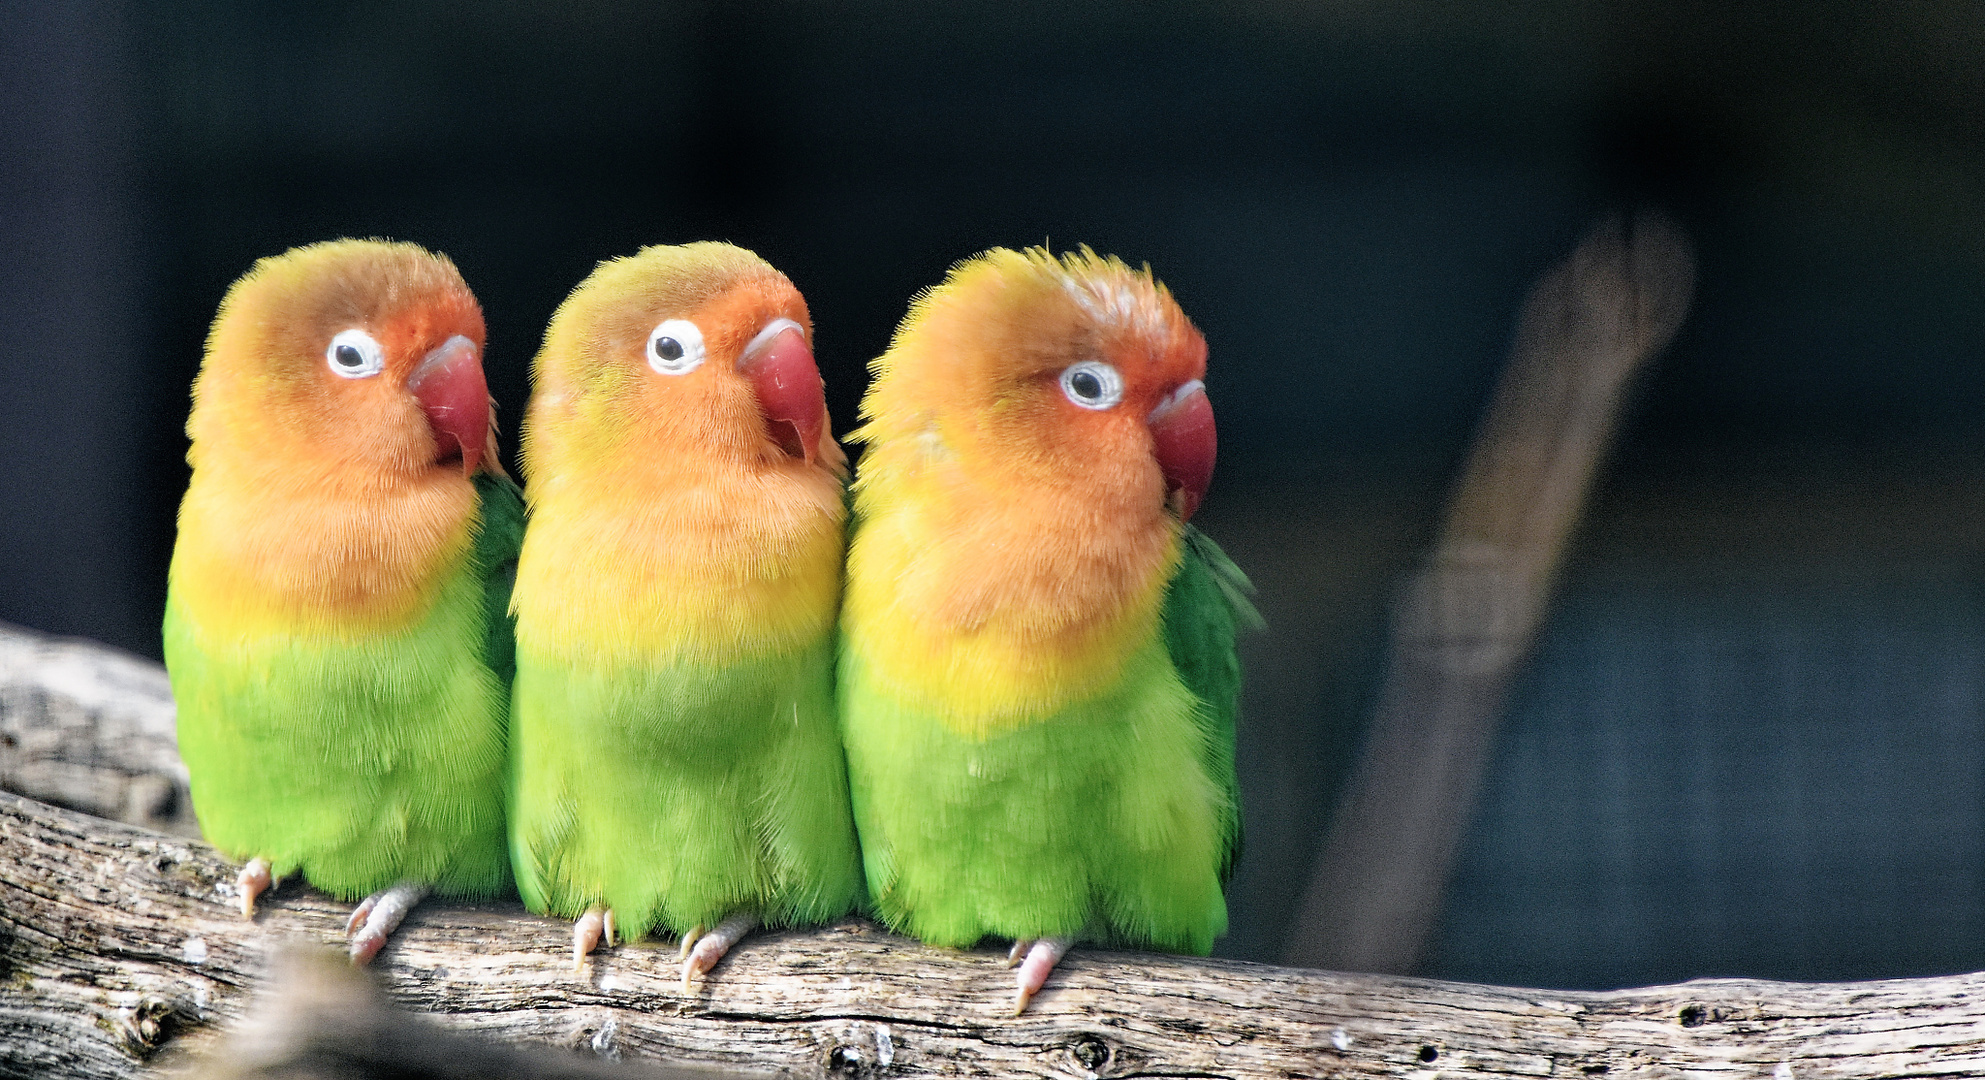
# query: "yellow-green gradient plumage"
674,751
1037,678
335,627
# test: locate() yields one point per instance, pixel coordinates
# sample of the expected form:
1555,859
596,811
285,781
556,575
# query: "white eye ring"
355,355
1092,384
675,347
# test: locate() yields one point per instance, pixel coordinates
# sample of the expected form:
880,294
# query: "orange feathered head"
350,358
681,354
1071,371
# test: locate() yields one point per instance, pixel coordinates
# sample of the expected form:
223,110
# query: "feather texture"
674,755
1037,682
330,632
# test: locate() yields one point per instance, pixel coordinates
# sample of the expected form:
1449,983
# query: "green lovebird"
1038,681
675,759
336,624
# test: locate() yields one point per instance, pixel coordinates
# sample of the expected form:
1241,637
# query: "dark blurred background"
1752,739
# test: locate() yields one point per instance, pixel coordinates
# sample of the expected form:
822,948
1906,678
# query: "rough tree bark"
118,942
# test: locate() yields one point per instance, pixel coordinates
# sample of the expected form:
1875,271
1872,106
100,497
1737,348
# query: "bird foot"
253,881
593,928
700,957
377,916
1040,957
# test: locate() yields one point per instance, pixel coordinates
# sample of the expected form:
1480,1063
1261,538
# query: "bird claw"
592,928
359,914
377,916
252,882
1042,955
700,957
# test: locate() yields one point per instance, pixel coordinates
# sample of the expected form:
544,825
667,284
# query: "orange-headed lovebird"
1037,673
336,626
675,760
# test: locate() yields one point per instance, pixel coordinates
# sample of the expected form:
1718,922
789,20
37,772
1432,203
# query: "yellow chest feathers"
992,614
268,553
619,569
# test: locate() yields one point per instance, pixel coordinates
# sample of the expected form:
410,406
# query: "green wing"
1205,608
497,542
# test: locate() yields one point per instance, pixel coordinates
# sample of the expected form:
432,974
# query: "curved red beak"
782,373
1182,435
452,391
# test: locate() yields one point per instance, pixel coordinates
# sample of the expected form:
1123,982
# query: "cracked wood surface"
116,942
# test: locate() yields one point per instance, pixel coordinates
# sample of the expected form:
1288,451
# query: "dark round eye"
1092,384
675,347
355,354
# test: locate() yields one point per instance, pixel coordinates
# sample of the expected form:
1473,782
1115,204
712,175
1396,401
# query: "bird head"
362,356
685,352
1075,370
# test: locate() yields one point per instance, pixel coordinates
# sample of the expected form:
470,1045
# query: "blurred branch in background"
1465,622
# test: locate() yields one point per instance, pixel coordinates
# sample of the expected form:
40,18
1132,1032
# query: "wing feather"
497,543
1206,607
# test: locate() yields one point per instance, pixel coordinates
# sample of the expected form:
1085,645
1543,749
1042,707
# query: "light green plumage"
1116,819
678,795
361,761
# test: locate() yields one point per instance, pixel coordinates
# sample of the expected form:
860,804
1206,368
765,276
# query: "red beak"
1182,435
450,387
787,382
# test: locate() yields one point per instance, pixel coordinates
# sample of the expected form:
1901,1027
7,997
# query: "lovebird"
336,626
674,752
1037,675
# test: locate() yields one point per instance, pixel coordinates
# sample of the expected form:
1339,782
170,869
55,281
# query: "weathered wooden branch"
90,728
1465,622
121,949
116,942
